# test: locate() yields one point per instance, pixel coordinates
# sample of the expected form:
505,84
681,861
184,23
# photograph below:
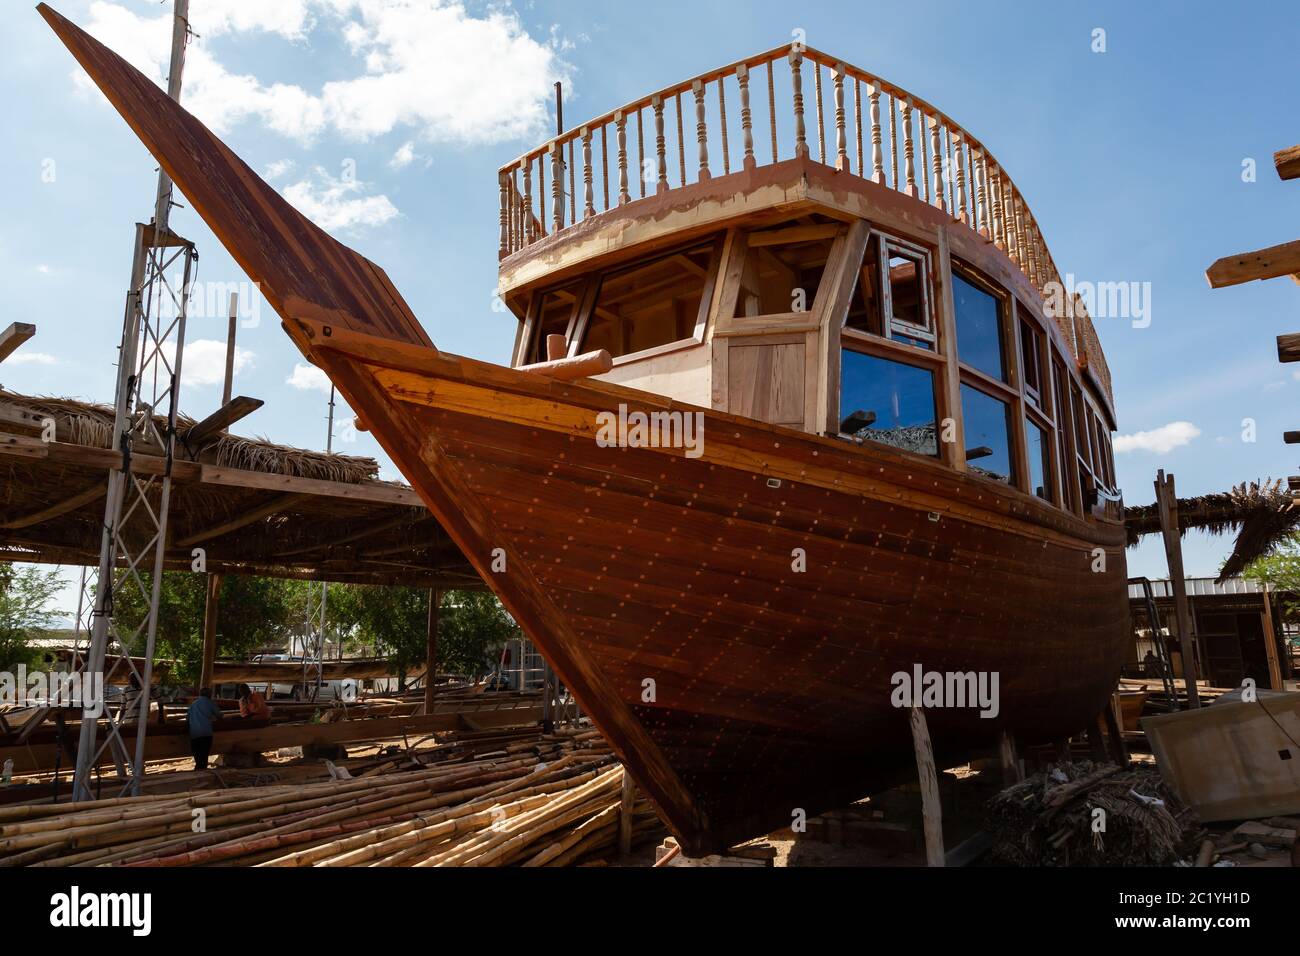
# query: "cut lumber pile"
551,800
1051,819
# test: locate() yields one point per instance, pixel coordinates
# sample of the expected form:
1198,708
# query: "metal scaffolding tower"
134,536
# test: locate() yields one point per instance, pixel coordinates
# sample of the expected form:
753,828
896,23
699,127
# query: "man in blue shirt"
201,715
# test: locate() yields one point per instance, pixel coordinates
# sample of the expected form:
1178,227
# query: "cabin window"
887,402
650,304
1040,460
555,312
891,297
783,269
986,422
1069,490
978,316
1031,343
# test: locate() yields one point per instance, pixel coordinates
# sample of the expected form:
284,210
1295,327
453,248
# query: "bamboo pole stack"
551,800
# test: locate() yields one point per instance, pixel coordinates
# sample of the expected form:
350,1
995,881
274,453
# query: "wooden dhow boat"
780,425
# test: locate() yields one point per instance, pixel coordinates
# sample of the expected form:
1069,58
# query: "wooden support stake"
1007,759
1167,500
431,649
1095,742
210,610
931,809
1270,644
1115,732
626,814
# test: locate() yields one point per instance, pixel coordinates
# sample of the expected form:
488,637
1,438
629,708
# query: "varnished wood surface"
771,685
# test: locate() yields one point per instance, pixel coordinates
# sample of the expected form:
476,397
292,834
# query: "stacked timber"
553,800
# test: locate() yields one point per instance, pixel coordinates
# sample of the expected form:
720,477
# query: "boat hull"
735,621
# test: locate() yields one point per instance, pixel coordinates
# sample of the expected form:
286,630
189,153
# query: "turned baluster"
995,197
857,120
841,144
573,191
746,118
771,108
1018,224
877,153
982,196
528,201
541,194
620,136
604,163
661,156
961,184
893,139
681,143
557,185
722,124
796,83
640,152
951,173
589,196
821,125
930,160
503,244
909,164
701,130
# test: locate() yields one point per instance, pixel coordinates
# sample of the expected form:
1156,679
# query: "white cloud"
277,169
31,358
45,270
204,362
308,378
424,65
334,204
1159,440
406,155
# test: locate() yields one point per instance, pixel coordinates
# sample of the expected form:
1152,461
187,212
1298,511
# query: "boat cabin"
863,269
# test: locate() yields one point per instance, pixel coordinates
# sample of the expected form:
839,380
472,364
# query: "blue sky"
387,123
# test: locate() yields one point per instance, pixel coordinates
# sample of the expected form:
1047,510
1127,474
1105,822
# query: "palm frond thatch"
1259,511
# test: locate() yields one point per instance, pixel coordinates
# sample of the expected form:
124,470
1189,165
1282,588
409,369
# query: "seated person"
253,704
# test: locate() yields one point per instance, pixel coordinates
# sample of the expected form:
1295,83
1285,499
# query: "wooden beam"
1287,162
1291,438
14,336
776,237
1270,644
222,418
1267,263
93,493
207,673
431,650
626,814
931,809
16,415
375,491
1167,500
279,503
1288,347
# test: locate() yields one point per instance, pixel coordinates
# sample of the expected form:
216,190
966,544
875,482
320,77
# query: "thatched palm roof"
1259,511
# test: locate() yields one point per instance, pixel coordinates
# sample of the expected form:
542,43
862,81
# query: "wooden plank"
931,808
1167,500
1287,162
1267,263
791,234
1288,347
207,672
362,491
222,418
1270,643
626,814
229,737
15,335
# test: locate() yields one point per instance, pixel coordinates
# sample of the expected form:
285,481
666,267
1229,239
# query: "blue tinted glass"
1040,467
988,445
979,333
887,402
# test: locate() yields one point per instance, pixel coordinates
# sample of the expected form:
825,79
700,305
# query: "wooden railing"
881,132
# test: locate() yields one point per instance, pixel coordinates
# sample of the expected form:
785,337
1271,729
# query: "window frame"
596,279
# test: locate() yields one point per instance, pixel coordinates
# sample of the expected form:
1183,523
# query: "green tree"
471,629
253,614
25,595
1281,570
